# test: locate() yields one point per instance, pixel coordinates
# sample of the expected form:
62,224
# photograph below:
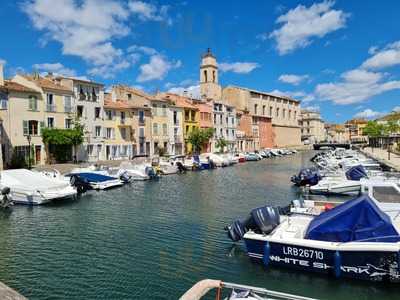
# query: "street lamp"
29,138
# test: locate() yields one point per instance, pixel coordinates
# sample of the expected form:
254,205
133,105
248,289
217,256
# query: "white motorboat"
137,172
34,188
336,185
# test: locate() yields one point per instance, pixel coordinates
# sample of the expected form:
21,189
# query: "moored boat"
34,188
355,239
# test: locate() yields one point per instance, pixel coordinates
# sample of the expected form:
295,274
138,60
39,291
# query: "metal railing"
50,107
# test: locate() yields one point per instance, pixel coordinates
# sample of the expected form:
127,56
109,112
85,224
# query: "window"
220,119
164,110
97,131
97,111
68,123
129,96
50,122
3,101
270,111
109,114
165,129
33,103
205,76
277,112
123,133
141,116
215,119
290,113
110,133
187,129
284,113
30,127
193,114
175,118
79,111
214,77
263,110
50,103
255,109
221,133
124,150
141,132
155,129
122,117
67,104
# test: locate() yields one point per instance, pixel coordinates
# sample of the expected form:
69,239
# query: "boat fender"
337,264
267,250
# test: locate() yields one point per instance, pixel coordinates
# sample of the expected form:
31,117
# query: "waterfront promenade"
382,156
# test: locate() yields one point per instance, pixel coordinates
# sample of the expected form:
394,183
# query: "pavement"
382,156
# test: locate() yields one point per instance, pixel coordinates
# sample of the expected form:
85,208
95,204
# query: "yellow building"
117,127
53,107
354,130
140,107
191,117
160,124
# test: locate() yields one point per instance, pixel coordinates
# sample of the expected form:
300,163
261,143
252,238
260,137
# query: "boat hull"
364,265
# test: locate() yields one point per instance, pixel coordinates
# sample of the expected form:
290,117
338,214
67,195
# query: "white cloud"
387,57
88,28
157,68
2,61
293,79
191,91
56,68
356,86
303,24
142,49
238,67
372,50
149,12
369,114
396,109
298,95
315,108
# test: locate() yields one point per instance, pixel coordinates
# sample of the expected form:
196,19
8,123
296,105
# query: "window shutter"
41,125
25,127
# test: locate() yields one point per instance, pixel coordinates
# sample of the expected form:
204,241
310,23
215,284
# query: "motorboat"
230,158
164,167
306,176
137,172
94,180
235,292
250,156
355,239
275,152
34,188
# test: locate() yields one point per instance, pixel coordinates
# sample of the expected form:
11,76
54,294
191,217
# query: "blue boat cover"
359,219
356,173
93,177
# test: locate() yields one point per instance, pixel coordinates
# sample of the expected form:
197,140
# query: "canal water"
153,240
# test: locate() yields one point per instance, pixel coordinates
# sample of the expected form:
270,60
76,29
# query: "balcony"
142,121
123,121
82,97
142,139
50,108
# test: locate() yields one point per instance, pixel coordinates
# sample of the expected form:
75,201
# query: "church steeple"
209,87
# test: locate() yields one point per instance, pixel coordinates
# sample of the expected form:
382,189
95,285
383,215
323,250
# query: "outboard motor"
81,184
125,177
236,231
5,201
181,167
151,172
266,218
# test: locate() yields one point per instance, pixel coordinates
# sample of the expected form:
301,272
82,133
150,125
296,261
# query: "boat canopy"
93,177
359,219
356,173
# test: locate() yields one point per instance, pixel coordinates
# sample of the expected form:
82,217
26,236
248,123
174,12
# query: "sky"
339,57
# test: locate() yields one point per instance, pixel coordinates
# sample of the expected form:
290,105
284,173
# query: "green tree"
392,127
221,144
198,137
60,140
374,129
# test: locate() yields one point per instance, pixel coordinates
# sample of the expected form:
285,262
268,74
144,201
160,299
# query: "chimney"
1,75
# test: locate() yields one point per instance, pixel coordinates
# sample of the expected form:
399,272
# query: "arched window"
205,76
213,76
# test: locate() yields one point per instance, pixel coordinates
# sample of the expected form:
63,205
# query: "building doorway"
38,156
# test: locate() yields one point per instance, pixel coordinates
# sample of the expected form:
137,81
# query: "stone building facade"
312,126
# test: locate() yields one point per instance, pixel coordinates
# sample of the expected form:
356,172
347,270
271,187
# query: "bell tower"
209,87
